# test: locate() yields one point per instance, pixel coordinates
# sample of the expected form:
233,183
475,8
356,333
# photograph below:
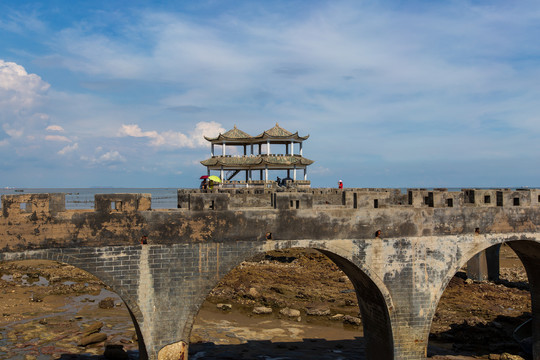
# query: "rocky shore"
290,304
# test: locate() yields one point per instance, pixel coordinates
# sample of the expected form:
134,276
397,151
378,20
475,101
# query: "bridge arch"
526,247
374,299
90,267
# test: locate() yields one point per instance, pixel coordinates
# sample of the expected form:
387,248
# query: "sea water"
80,199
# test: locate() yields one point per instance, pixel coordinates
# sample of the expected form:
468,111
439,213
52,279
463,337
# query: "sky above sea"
392,93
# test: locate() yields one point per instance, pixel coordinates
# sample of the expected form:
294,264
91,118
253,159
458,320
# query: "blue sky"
392,93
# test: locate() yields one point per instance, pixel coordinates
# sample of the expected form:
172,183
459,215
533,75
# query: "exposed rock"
507,356
347,319
36,297
318,311
253,293
93,328
337,317
177,351
290,312
224,306
262,310
343,279
107,303
92,339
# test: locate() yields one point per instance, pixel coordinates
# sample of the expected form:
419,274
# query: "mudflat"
307,309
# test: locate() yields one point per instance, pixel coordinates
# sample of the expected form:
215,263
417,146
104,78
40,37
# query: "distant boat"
523,335
19,190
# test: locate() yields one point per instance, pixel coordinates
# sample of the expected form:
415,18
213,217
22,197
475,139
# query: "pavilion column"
222,173
266,173
305,173
268,147
300,149
223,149
260,149
251,149
261,174
247,175
245,150
292,148
212,152
294,173
288,173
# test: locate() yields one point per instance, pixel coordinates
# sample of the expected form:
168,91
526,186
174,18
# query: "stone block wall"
37,204
122,202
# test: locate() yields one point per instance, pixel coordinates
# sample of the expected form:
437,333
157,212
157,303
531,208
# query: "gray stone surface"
399,276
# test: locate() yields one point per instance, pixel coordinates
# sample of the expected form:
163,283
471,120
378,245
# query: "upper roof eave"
234,134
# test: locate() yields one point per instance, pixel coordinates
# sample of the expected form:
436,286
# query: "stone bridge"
399,276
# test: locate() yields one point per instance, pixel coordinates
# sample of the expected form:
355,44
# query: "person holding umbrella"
213,179
204,183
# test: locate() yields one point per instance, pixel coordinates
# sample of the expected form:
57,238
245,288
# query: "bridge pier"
485,265
529,253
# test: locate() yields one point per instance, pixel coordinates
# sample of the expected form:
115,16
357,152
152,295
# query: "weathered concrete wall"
399,276
292,215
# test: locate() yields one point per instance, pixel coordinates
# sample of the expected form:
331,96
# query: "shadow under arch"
131,305
373,299
529,253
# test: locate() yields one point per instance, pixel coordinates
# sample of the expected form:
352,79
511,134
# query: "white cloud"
18,89
174,139
67,149
55,128
109,158
57,138
14,133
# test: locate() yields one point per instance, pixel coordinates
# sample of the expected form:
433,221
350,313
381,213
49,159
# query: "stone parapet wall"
358,198
125,219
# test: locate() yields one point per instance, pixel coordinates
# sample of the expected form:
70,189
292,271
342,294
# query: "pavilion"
241,152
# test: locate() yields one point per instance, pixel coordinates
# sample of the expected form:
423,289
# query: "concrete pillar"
529,254
374,310
477,267
485,265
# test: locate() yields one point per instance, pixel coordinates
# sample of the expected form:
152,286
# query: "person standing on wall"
340,184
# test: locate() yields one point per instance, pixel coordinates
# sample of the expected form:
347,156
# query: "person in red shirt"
340,184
